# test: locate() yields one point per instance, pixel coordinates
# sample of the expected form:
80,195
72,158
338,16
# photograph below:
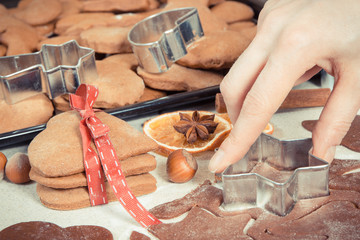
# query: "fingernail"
216,160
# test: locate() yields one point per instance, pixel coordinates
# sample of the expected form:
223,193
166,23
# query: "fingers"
241,77
337,115
261,102
308,75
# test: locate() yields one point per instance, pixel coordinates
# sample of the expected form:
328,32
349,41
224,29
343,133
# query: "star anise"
194,127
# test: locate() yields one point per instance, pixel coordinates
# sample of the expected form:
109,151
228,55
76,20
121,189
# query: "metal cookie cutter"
161,39
55,70
301,175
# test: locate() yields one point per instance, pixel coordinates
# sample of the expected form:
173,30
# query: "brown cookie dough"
339,167
216,50
109,40
205,196
38,12
43,230
233,11
62,135
351,139
27,113
305,207
335,220
75,198
179,78
200,224
138,236
349,181
271,173
131,166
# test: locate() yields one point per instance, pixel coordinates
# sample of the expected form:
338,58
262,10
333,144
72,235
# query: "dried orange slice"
162,131
269,129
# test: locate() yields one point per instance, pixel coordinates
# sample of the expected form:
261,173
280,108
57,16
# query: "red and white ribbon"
105,161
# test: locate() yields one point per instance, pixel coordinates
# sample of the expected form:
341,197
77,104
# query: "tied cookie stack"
56,158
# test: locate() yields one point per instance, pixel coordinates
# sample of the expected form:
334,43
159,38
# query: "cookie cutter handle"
161,39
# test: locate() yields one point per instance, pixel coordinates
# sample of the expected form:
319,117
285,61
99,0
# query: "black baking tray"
133,111
170,102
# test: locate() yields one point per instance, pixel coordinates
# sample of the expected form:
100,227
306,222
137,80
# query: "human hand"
295,40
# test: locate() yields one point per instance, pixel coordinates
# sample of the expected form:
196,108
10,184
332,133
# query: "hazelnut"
18,167
3,161
181,166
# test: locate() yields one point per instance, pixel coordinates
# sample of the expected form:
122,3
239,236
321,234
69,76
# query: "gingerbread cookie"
130,19
118,84
199,224
216,50
27,113
209,21
2,50
38,12
3,10
57,40
61,103
62,135
76,23
151,94
75,198
119,5
70,7
18,36
43,230
351,139
233,11
109,40
131,166
179,78
45,29
246,28
214,2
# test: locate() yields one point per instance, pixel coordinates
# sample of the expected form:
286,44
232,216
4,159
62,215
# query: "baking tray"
172,101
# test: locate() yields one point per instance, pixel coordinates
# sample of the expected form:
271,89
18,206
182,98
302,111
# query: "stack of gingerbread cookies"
57,166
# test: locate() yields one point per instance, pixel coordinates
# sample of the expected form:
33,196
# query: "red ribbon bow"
92,128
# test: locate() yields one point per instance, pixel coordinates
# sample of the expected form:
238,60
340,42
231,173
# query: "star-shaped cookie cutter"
308,176
54,70
161,39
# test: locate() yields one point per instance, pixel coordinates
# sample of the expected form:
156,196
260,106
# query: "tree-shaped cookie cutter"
244,189
161,39
54,70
